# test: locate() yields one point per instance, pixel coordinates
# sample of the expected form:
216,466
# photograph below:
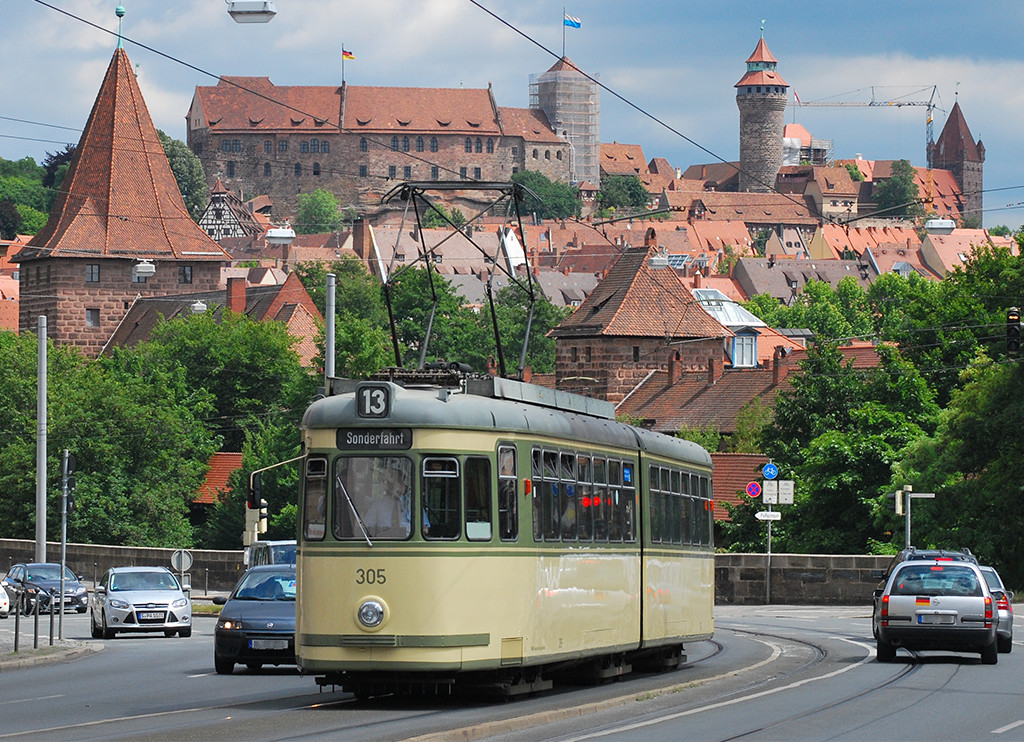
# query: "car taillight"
885,610
988,610
1003,604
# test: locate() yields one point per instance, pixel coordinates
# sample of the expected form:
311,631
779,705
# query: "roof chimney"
675,367
780,369
361,238
696,279
712,371
236,295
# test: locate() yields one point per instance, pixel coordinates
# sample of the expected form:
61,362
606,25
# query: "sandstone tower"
957,152
761,96
572,103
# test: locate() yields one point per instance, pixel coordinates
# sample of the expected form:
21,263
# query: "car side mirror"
186,588
100,590
877,592
219,600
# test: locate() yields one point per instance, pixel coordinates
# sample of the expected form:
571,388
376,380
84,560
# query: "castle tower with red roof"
761,95
119,205
957,152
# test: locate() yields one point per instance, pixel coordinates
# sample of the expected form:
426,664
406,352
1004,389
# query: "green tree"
547,199
317,212
10,220
55,166
898,195
855,174
188,173
512,307
707,436
31,220
623,192
436,215
1000,230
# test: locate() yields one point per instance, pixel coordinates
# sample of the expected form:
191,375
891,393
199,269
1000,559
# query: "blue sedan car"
257,623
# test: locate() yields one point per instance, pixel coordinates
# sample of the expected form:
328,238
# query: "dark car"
257,623
28,584
932,604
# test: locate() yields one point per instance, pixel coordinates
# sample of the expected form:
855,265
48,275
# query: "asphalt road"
771,673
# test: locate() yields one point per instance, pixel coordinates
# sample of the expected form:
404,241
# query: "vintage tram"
479,532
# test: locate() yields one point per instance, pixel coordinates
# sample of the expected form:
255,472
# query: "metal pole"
329,332
768,568
907,489
41,444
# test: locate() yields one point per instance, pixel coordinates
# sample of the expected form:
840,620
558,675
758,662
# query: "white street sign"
786,491
770,491
768,515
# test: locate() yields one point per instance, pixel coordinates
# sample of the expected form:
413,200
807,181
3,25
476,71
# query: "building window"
547,154
92,317
325,147
479,145
490,146
407,172
362,144
574,354
362,171
743,352
266,169
314,145
394,143
419,144
405,144
462,172
231,168
476,173
225,146
535,154
92,273
636,354
236,146
282,146
298,170
268,147
184,274
558,155
433,144
304,147
316,168
515,151
469,144
391,171
515,169
434,172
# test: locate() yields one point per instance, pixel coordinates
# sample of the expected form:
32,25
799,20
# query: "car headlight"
228,624
80,591
119,604
370,614
179,603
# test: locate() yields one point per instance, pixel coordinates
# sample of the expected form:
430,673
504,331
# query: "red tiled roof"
761,53
120,198
623,159
529,123
955,138
222,465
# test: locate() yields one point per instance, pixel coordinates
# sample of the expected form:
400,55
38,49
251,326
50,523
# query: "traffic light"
262,528
1012,330
255,494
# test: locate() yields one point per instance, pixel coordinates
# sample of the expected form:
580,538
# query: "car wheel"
223,665
989,655
1004,644
97,632
254,666
81,609
26,606
884,651
108,633
185,633
170,632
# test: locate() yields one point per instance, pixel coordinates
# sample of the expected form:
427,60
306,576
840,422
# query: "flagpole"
563,32
343,63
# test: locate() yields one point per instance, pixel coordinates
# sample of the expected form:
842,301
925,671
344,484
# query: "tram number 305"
370,577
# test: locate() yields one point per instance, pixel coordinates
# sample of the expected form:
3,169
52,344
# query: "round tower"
761,96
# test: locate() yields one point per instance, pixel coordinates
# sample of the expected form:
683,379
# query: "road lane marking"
25,700
1008,727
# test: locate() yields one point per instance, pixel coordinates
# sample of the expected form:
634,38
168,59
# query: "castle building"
957,152
358,141
119,229
761,95
572,103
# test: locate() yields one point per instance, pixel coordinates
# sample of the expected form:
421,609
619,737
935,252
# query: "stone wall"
215,571
802,579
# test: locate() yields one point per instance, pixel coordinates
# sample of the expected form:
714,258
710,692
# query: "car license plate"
151,616
268,644
932,618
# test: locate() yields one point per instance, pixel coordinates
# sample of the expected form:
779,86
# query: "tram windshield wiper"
352,507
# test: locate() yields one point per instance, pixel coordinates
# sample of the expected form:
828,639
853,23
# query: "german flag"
923,600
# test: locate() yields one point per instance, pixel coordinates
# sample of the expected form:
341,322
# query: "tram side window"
676,519
440,489
568,500
585,499
537,476
550,498
314,522
657,505
601,501
508,481
478,498
373,497
627,502
685,510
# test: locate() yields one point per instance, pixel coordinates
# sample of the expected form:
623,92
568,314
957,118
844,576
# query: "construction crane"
898,102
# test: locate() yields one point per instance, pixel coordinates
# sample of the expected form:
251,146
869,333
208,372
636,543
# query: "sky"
669,66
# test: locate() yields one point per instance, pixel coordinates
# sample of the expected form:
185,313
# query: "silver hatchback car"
1004,604
933,604
132,599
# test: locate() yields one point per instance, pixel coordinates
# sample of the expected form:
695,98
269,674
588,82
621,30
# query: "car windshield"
43,572
936,579
283,553
992,579
124,581
266,586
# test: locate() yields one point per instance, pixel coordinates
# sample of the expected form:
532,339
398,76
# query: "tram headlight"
370,614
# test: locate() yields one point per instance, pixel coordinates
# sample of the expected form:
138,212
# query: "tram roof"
504,406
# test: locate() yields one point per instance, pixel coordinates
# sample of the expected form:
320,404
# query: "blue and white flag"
572,22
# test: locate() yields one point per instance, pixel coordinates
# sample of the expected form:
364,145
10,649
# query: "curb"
37,657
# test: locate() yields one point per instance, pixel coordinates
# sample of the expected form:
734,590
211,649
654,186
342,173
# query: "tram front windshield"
373,494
